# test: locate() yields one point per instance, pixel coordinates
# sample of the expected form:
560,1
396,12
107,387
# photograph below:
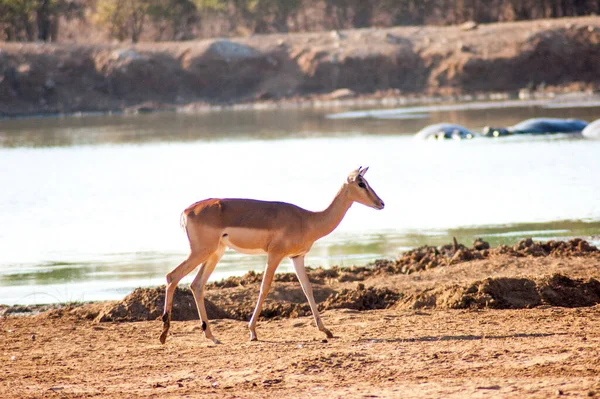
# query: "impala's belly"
246,241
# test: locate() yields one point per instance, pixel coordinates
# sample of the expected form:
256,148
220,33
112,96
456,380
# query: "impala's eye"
362,185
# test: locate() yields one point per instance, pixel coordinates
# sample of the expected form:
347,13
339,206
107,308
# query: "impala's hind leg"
198,285
173,279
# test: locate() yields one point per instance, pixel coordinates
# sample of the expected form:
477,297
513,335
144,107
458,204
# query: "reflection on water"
275,124
90,206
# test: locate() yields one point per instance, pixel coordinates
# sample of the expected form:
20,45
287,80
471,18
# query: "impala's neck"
326,221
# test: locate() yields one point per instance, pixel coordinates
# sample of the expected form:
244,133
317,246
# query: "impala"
277,229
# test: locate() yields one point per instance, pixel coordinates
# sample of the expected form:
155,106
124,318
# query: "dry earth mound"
362,299
235,297
510,293
428,257
148,304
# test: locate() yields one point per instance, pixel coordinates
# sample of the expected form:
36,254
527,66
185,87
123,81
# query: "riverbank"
533,58
452,321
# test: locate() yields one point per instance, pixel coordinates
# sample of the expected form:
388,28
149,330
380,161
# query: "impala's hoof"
165,331
163,337
328,333
213,339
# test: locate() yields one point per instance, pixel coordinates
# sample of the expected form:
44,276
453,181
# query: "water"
90,206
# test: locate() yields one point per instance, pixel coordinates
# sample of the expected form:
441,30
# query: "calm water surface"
90,206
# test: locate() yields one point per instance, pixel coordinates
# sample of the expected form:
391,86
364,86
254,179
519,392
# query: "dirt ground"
509,324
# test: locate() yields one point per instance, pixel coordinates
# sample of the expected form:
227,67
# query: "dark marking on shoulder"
225,235
203,326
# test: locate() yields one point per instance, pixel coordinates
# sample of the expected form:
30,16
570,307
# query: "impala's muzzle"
376,202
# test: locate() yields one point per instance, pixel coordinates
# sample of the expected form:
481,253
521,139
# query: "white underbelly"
247,251
246,241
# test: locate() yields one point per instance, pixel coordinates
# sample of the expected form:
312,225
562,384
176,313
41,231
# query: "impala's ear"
363,171
354,174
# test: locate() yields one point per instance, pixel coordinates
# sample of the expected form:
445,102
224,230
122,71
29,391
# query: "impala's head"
360,191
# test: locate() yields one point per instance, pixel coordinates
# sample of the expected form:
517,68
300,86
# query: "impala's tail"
183,221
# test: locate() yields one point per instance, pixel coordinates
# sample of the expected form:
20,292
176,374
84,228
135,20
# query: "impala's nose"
382,205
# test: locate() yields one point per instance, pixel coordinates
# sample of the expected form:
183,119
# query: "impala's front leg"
307,288
272,263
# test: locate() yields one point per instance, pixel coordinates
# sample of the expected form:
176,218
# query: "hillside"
542,55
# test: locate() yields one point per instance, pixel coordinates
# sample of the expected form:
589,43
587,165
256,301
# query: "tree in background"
169,19
124,19
252,16
268,16
17,19
47,17
174,19
29,20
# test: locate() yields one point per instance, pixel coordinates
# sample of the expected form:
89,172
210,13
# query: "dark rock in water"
538,126
440,131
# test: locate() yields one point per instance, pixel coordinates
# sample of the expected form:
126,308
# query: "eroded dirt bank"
559,54
453,321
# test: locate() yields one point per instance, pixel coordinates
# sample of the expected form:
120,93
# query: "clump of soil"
317,275
249,278
22,310
283,310
243,308
148,304
559,290
511,293
527,247
342,274
428,257
362,299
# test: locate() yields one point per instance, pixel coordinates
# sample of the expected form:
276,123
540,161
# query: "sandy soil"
407,349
